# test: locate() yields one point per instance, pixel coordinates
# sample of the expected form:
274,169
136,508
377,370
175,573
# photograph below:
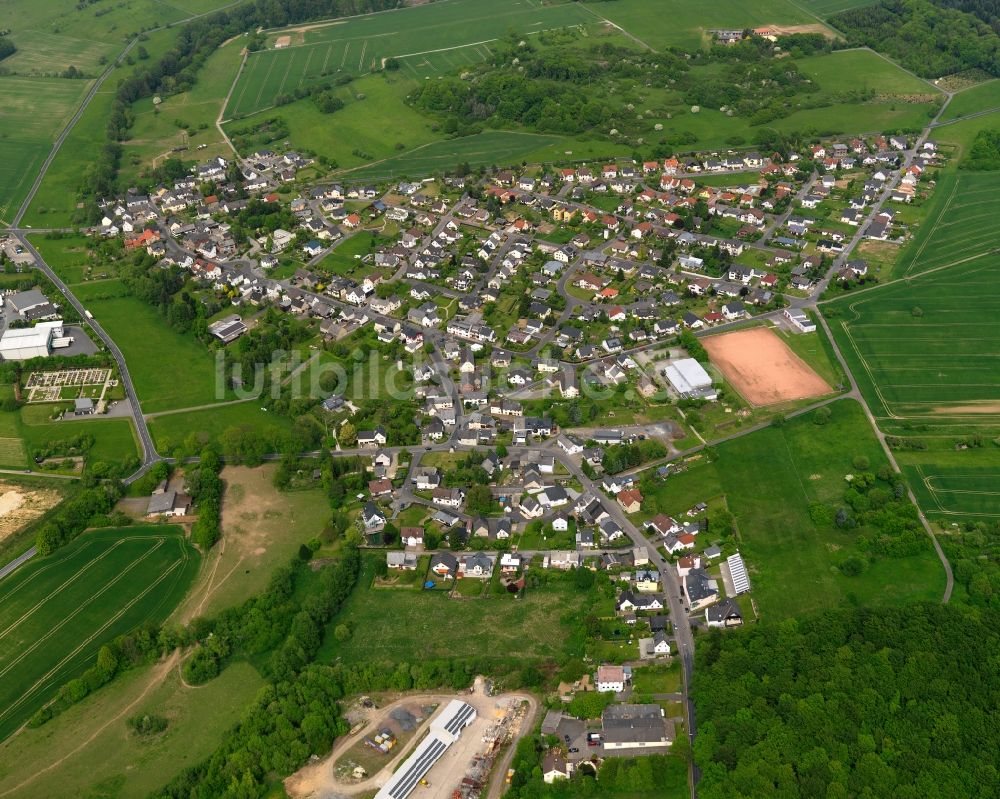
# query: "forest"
886,702
924,38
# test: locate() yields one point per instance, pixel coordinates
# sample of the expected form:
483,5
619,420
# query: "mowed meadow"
56,612
768,480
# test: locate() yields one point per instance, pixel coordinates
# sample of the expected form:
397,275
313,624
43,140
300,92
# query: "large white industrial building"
20,344
445,730
690,380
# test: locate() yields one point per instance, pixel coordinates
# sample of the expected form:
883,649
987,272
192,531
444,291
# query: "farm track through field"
55,669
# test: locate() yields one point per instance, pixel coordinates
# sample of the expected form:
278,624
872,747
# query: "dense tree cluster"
7,48
986,10
548,91
887,702
74,516
974,552
760,87
984,154
206,487
620,457
926,39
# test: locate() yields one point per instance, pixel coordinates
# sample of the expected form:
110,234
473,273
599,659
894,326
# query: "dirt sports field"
763,368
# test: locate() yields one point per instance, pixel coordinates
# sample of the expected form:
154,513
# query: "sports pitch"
56,612
428,40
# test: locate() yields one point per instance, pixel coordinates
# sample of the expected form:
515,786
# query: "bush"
146,724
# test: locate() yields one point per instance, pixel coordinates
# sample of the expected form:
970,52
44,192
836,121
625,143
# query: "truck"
88,314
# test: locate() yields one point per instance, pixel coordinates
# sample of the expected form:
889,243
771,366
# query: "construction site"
460,748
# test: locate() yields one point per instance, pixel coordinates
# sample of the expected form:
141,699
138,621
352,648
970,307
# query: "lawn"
403,624
55,612
103,759
170,370
428,39
67,255
172,429
769,478
680,23
24,430
657,679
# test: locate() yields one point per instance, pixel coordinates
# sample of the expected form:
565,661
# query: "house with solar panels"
445,730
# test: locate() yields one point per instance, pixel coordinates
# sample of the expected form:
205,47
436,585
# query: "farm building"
690,380
33,342
168,503
445,730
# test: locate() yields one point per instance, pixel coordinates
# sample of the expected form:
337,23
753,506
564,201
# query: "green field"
429,40
170,370
932,377
67,256
377,125
864,69
34,111
980,97
827,8
405,624
962,225
55,612
172,429
768,479
680,23
483,149
41,52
